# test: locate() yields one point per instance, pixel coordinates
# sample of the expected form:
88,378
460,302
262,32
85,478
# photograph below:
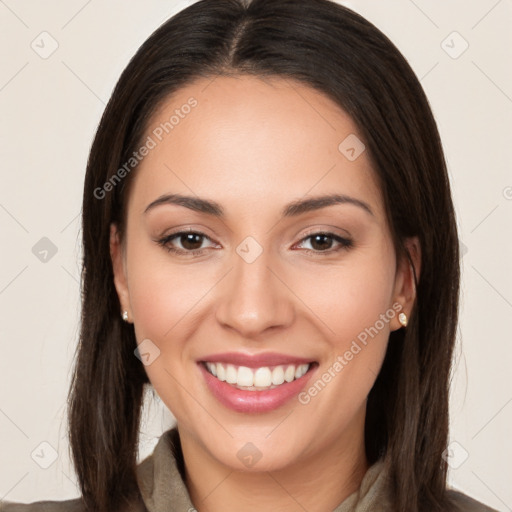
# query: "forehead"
248,141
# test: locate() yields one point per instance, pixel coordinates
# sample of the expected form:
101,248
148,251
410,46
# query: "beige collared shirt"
163,489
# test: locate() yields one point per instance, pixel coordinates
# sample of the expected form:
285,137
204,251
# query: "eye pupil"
322,239
191,238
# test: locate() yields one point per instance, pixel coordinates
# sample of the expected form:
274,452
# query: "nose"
254,297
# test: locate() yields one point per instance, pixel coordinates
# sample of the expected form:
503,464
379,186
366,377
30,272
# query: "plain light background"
50,106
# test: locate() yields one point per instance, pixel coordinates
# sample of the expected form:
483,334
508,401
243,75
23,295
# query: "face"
251,278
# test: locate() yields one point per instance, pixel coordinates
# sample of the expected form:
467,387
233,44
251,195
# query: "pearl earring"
402,318
125,315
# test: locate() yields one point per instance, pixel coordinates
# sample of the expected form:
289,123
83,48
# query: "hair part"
343,56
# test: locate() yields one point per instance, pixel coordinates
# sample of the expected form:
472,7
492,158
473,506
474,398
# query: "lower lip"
254,401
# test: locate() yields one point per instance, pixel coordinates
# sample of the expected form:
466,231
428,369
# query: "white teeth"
213,368
277,375
245,376
231,374
289,374
258,378
262,377
301,370
221,372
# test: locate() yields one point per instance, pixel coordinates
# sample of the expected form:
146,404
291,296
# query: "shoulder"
75,505
466,504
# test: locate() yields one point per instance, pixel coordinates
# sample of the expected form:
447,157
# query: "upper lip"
255,360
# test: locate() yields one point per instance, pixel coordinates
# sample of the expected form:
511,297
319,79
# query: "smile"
255,383
256,379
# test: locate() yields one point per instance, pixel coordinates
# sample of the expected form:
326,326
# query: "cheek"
163,295
165,299
343,299
353,317
159,301
349,299
352,304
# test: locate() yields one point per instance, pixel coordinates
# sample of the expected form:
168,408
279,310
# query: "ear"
405,287
119,268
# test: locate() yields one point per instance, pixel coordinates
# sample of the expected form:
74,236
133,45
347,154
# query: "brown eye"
323,242
184,242
190,241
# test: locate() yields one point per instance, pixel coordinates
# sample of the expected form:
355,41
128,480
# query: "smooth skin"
253,146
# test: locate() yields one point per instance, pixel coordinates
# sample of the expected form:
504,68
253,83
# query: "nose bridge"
252,297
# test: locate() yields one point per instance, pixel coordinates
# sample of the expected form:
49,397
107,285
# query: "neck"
321,482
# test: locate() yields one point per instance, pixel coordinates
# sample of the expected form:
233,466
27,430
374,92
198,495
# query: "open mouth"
257,379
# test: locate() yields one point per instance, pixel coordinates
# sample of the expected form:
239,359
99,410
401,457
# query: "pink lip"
254,401
255,360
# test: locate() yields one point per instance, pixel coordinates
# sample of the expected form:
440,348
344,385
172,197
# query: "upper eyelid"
327,231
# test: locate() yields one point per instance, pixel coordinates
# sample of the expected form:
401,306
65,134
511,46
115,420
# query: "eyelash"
345,243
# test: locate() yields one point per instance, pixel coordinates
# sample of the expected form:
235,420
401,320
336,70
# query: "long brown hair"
343,56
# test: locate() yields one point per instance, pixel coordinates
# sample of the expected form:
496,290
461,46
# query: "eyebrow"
292,209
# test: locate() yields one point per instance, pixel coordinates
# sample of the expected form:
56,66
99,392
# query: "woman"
270,243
